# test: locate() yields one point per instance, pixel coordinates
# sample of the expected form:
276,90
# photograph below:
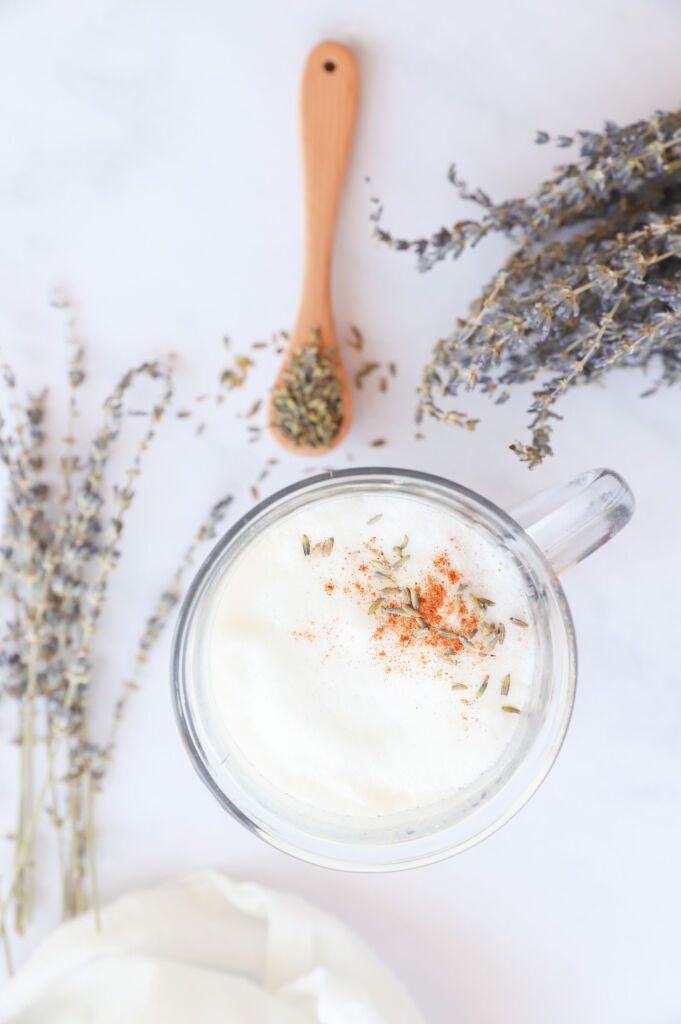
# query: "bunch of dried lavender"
59,547
594,283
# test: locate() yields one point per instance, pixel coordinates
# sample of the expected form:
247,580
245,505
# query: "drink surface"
388,669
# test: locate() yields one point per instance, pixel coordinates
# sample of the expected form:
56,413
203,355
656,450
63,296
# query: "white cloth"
203,949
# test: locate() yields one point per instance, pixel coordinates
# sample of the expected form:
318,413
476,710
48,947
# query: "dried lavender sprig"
594,283
161,614
34,550
89,501
48,561
82,775
26,508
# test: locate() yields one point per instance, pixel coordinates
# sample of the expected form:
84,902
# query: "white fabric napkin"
204,949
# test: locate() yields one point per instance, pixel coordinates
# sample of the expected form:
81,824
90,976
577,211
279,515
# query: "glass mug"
545,536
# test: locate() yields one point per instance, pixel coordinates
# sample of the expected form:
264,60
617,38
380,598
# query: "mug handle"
571,520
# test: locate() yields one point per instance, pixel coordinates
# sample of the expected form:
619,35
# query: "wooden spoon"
328,105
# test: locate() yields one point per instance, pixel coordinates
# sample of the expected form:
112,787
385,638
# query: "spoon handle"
328,107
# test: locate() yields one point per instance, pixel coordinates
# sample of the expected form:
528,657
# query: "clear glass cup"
545,536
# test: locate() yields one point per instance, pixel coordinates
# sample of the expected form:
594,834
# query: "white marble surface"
150,166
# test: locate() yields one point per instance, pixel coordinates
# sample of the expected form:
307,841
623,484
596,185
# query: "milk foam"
297,688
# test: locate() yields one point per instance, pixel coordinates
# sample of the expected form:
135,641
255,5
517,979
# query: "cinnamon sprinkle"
439,608
413,615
